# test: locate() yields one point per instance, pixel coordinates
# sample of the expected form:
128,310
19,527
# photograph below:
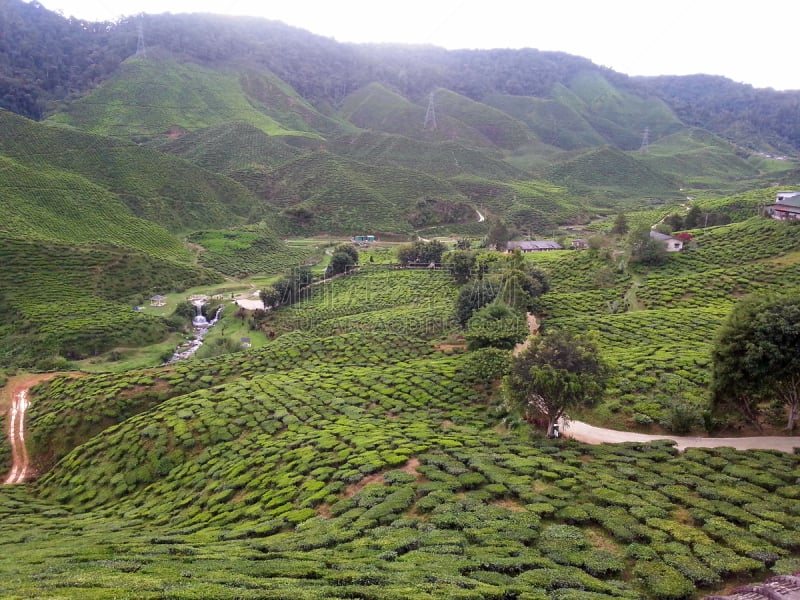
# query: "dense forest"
46,58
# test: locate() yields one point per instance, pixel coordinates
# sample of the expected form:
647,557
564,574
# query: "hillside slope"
153,186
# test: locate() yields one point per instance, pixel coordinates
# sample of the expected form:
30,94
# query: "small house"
158,300
786,207
580,244
534,246
364,239
672,244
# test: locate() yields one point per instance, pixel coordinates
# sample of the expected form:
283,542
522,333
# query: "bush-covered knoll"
444,158
323,193
371,318
372,289
374,107
65,300
656,327
81,408
611,173
388,480
246,251
237,150
154,186
699,158
53,205
149,95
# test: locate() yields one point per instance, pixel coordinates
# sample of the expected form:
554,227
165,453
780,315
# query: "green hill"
376,108
70,301
322,193
152,96
609,172
237,150
445,159
496,126
553,122
615,113
658,325
699,159
370,462
152,185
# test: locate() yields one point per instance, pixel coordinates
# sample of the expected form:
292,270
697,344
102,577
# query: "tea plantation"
656,325
355,457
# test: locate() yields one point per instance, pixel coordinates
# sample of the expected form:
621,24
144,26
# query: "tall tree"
558,371
496,325
644,249
756,356
461,264
620,224
498,235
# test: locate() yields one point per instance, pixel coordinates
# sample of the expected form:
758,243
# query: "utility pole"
430,114
141,50
645,141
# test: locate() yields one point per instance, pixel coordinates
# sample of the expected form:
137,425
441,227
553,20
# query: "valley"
349,426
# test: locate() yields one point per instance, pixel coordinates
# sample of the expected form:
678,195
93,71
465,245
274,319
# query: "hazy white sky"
749,42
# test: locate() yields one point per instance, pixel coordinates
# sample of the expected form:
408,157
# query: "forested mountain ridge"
46,59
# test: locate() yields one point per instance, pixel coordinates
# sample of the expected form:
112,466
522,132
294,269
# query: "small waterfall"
199,320
201,327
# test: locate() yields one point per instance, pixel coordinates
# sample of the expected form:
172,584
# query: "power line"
141,50
430,114
645,141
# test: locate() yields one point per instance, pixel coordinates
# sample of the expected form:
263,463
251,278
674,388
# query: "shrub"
662,581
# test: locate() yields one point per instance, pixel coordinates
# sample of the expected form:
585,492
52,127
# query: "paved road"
583,432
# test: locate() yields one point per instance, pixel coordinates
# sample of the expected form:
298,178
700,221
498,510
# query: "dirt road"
17,390
16,436
583,432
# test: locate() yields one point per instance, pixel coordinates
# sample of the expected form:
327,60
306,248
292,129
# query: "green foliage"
473,296
421,253
662,581
487,365
557,372
496,325
462,265
644,249
755,355
620,224
163,93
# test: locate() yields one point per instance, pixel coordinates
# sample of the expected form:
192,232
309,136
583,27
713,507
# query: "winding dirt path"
14,402
589,434
16,436
533,329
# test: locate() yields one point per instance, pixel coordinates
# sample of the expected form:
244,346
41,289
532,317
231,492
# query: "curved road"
16,436
17,389
589,434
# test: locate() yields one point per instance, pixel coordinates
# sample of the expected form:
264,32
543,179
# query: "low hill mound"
613,173
151,96
153,186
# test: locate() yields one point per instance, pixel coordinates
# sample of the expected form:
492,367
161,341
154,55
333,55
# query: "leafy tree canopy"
496,325
558,371
644,249
422,252
756,356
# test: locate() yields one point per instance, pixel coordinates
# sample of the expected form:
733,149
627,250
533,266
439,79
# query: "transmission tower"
430,114
645,141
141,50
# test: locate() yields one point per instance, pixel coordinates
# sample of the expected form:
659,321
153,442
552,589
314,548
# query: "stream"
201,327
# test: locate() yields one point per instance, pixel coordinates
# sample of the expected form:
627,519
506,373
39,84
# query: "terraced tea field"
656,327
351,457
